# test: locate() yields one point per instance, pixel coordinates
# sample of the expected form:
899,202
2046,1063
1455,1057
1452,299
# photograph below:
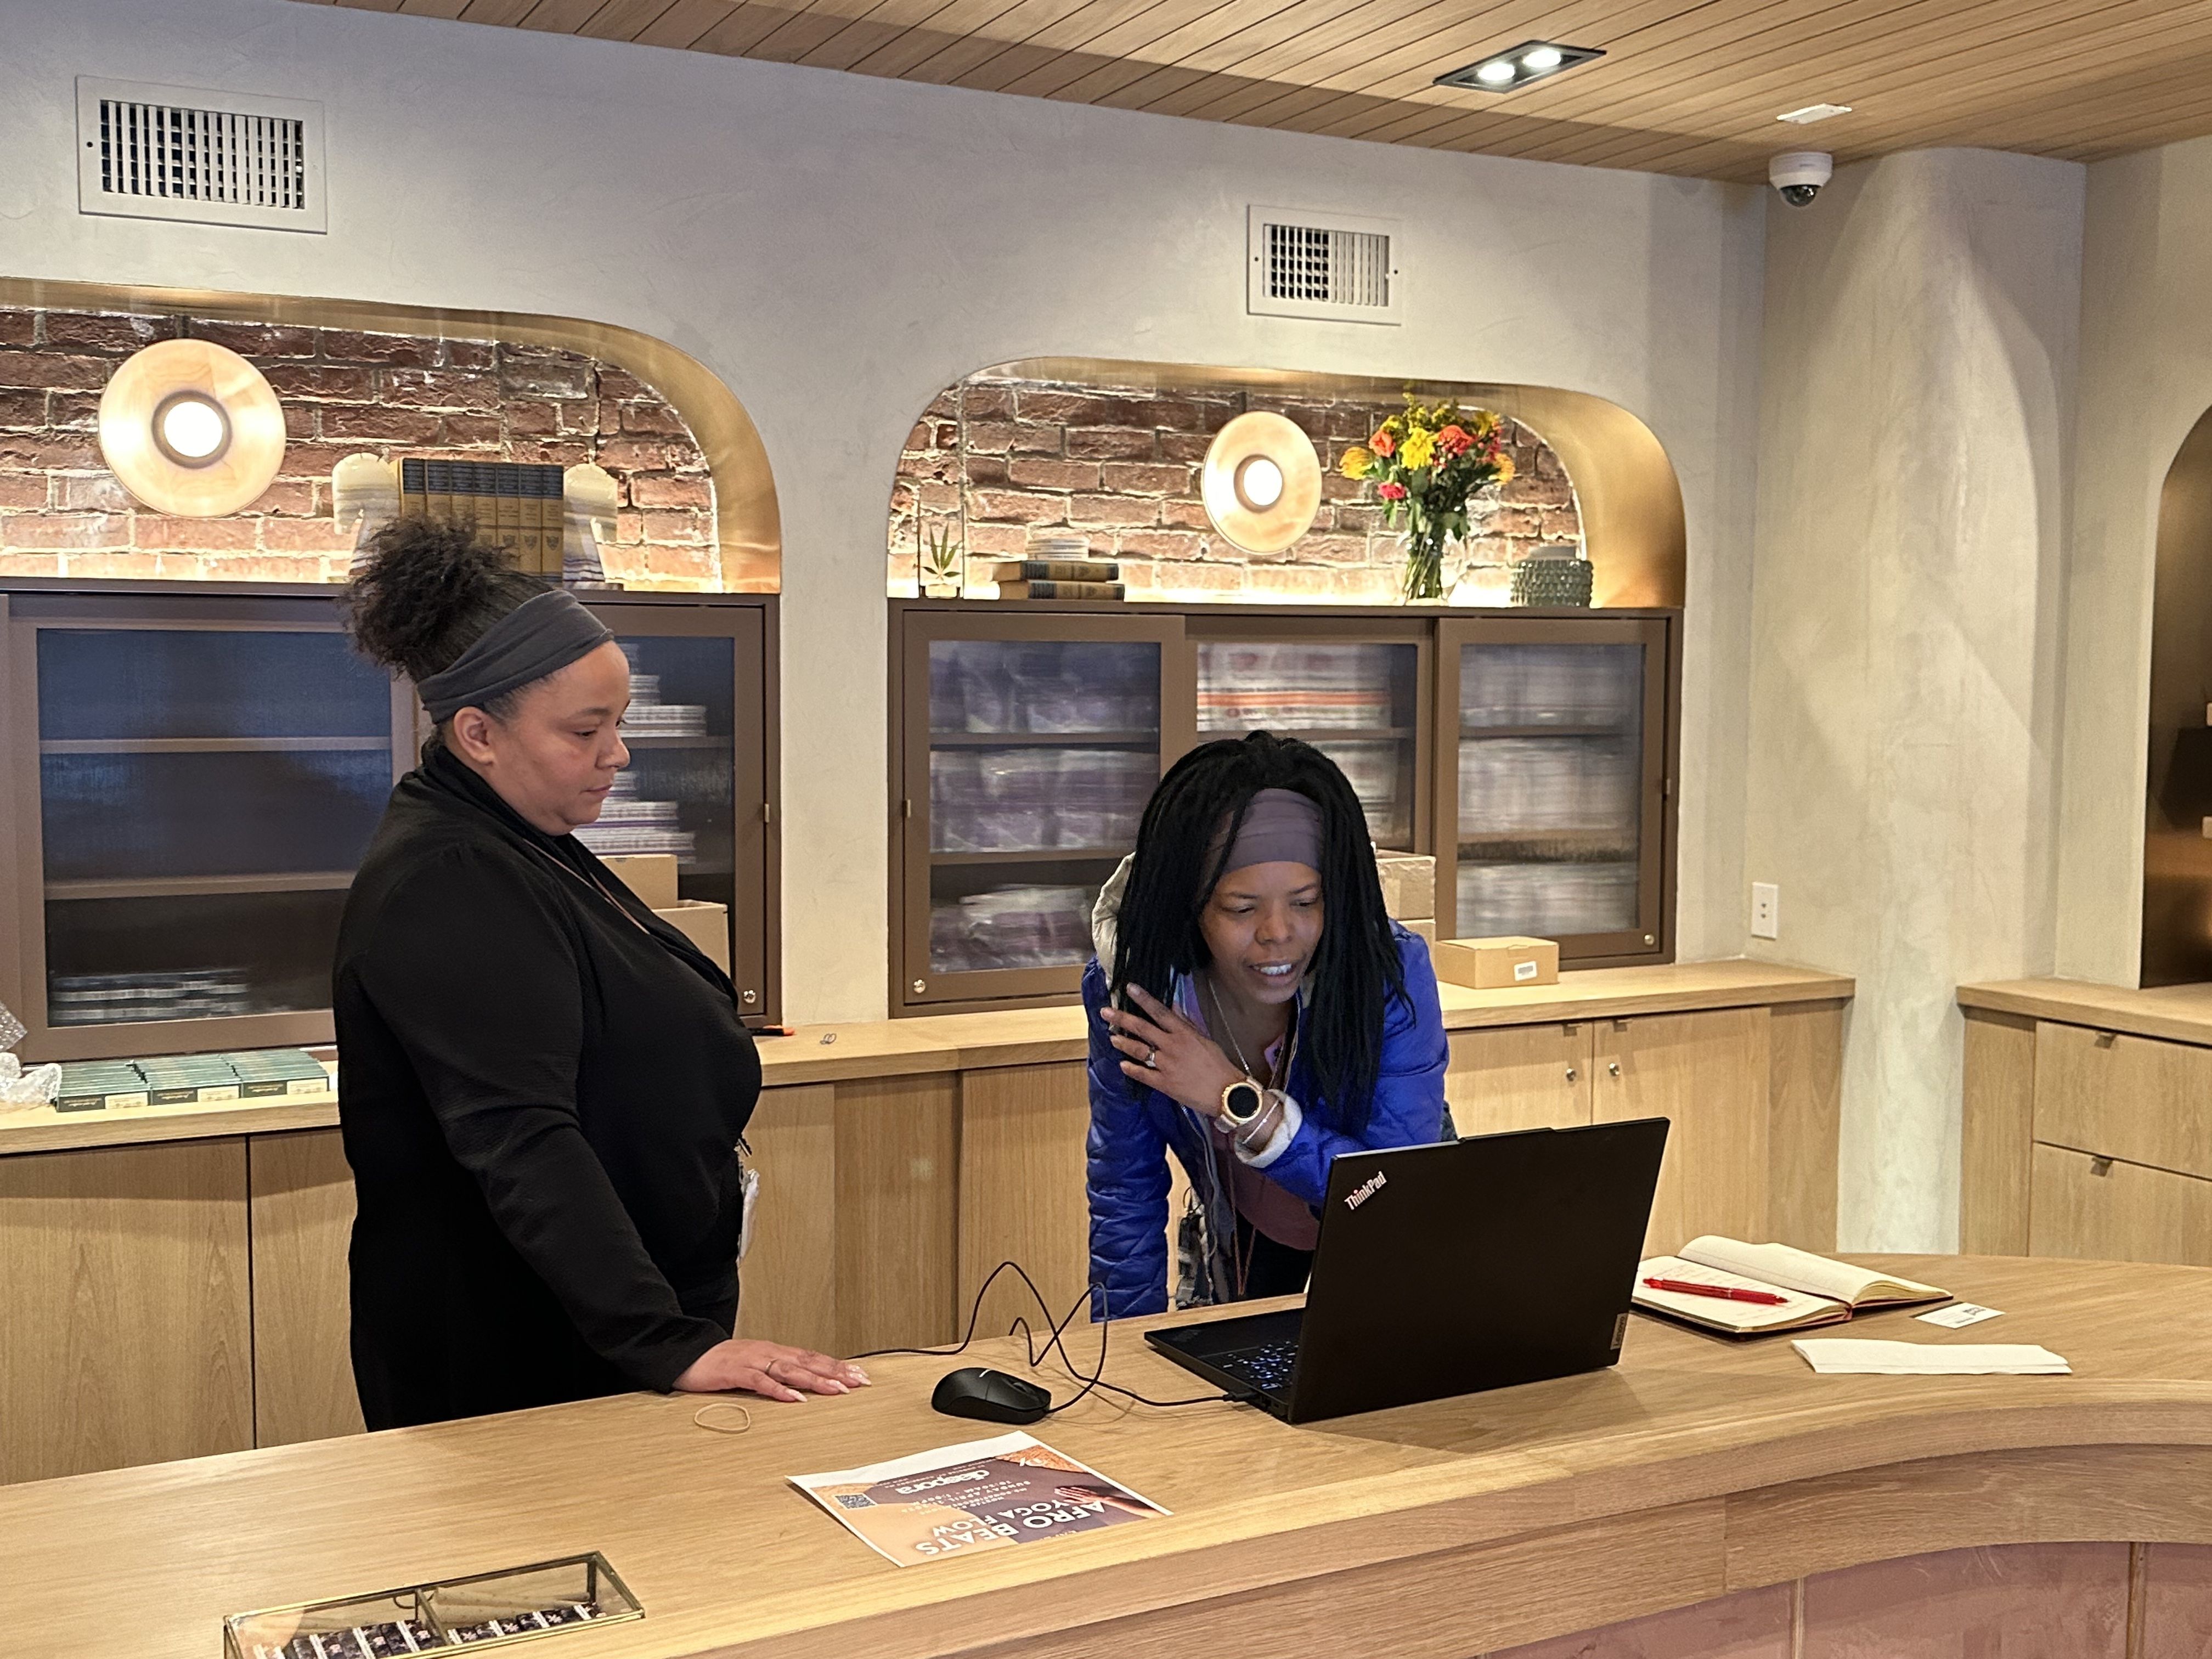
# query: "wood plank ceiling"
1689,86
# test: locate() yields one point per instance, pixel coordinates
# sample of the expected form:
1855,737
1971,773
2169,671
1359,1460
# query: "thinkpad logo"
1366,1190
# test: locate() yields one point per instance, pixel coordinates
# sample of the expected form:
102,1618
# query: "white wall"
838,249
1921,340
2146,378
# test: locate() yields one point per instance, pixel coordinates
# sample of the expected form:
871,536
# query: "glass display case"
485,1609
700,744
1356,694
1029,737
1037,746
192,778
1556,826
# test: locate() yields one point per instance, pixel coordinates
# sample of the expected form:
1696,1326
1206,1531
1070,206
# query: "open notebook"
1817,1291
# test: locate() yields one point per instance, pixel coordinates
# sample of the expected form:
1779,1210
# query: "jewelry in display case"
512,1604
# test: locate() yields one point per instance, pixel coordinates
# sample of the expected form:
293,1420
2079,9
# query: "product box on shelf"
1409,884
651,877
1490,965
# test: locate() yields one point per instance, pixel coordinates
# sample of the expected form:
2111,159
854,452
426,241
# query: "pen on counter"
1725,1292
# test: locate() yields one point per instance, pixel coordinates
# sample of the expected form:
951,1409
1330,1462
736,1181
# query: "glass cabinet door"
1356,700
1559,825
204,795
1023,790
696,779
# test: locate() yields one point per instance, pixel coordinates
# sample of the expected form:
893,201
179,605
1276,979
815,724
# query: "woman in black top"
543,1084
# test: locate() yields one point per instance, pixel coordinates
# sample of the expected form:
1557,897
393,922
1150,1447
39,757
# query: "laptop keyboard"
1266,1368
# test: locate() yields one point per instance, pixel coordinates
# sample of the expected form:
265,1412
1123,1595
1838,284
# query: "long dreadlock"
1183,854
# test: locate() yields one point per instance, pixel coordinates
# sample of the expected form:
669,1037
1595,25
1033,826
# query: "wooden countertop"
951,1042
1695,1468
2179,1013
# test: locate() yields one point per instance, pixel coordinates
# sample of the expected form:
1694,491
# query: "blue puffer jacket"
1134,1128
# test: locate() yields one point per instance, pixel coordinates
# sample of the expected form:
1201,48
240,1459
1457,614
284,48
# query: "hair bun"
428,591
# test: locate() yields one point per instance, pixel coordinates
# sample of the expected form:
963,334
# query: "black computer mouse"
994,1396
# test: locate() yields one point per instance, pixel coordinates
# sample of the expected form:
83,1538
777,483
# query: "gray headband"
1281,826
540,636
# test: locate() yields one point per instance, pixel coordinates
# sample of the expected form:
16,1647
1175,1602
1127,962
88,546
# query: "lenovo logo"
1366,1190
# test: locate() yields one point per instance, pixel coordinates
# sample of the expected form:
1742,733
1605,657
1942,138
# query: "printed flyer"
986,1494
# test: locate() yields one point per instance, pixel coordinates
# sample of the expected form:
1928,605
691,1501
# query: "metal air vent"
212,158
1322,265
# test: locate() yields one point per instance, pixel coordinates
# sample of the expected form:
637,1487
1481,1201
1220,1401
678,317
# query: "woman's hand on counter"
1184,1063
772,1369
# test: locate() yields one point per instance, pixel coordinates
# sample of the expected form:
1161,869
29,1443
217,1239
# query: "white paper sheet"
1836,1356
1959,1314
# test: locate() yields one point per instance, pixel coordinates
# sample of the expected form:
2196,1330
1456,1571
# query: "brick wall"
999,461
62,514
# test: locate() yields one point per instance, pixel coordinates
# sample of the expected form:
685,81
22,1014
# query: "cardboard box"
651,876
707,925
1409,884
1427,930
1491,964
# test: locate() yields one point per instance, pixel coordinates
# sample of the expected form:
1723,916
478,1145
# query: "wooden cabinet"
1519,1077
1707,1073
126,1332
2085,1139
301,1211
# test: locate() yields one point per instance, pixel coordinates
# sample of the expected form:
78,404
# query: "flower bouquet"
1426,464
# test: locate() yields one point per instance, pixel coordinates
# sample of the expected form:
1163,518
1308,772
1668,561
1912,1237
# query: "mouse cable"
1053,1340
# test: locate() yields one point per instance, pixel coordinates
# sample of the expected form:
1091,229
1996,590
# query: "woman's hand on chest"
1162,1050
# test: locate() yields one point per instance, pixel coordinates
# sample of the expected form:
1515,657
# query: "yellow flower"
1357,462
1420,448
1505,464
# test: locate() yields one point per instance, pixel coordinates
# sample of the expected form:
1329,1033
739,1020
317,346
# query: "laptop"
1448,1269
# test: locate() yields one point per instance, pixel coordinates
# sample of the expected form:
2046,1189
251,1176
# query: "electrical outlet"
1765,911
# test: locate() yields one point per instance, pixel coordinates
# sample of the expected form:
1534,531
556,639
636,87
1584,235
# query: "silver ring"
1151,1059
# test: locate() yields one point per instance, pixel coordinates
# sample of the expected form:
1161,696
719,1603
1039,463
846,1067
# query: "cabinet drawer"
2134,1098
2096,1209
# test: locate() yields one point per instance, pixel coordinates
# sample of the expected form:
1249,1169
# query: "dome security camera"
1800,175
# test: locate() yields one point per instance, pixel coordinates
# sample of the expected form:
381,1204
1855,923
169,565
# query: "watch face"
1242,1102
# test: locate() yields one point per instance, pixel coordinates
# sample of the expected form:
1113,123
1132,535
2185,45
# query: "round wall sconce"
192,428
1261,482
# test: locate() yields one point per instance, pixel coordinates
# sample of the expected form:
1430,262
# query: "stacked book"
1059,568
511,504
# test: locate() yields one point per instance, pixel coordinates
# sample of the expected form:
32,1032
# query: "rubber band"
700,1417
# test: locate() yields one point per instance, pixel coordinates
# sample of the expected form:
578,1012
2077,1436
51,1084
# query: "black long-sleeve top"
543,1087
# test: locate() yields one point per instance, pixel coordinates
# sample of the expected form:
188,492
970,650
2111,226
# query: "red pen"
1726,1293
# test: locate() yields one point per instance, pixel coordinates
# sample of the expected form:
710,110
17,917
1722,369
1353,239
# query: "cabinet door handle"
1613,1067
1570,1074
2100,1166
2104,1039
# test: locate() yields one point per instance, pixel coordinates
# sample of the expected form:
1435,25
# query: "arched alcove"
1108,449
2177,896
747,536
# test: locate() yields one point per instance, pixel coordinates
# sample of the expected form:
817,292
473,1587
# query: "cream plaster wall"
1921,339
838,248
2146,378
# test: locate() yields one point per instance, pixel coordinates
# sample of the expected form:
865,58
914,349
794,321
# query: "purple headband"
1281,826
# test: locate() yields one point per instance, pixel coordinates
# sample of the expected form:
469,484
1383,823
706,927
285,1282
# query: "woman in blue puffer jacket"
1254,1010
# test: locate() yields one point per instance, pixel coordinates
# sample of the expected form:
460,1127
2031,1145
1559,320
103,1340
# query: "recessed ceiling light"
1812,112
1508,71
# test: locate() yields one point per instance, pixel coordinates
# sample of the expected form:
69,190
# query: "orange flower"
1382,443
1454,440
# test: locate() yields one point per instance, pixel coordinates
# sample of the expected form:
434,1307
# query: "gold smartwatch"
1241,1103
